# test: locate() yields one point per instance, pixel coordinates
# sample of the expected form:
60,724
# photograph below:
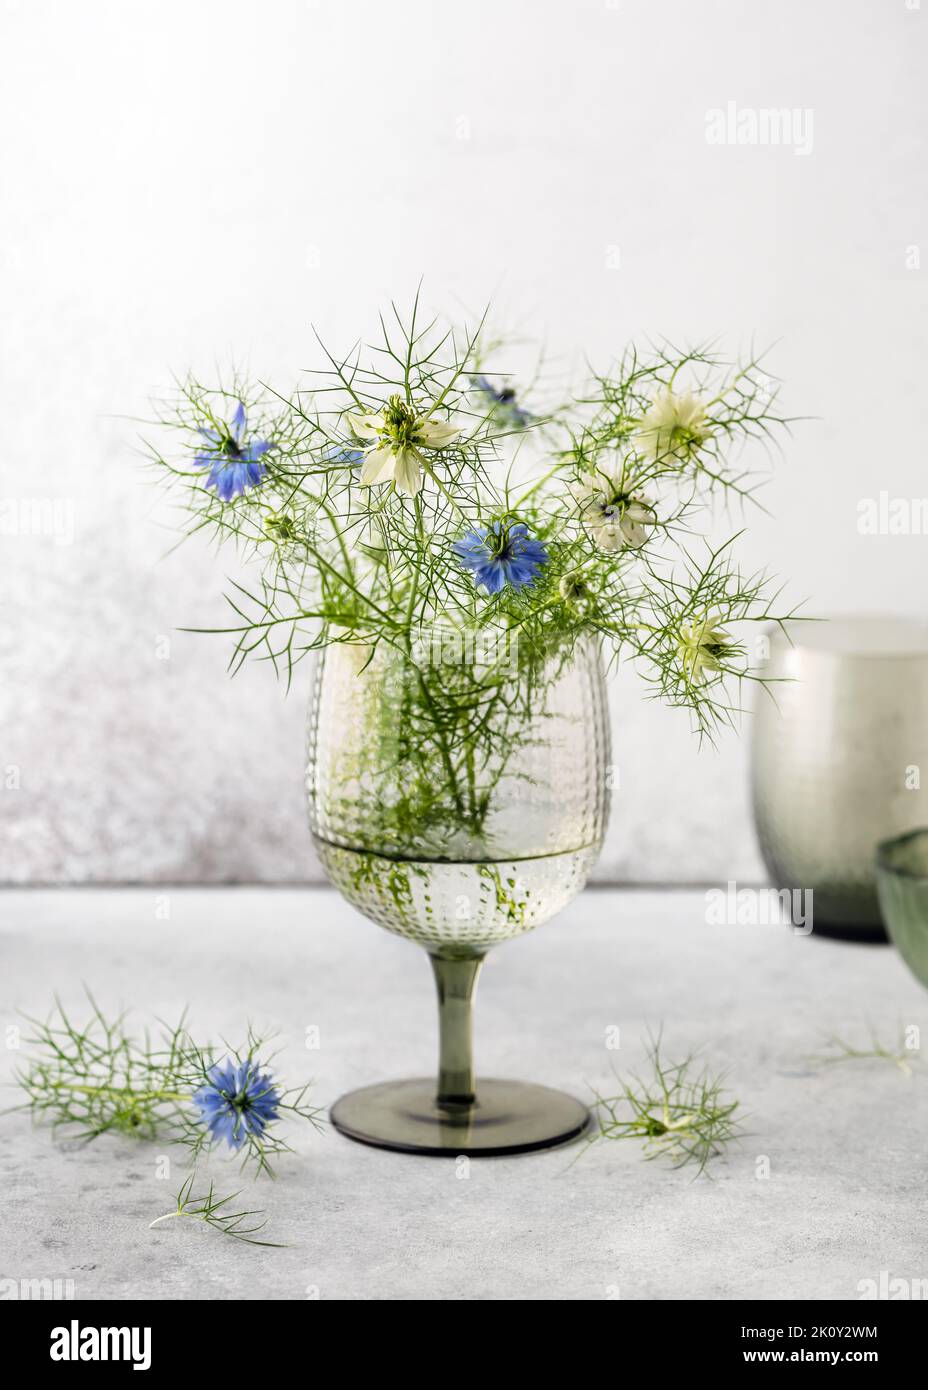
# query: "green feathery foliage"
213,1210
903,1055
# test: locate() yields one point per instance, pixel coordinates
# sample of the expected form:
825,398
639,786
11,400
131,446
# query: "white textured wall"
190,182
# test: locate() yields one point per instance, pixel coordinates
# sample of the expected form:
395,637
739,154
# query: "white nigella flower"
703,647
675,425
395,436
616,519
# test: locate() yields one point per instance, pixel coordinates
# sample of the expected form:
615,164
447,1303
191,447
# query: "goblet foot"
507,1117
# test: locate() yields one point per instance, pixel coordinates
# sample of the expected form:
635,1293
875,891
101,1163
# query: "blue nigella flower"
501,554
239,1101
503,398
231,459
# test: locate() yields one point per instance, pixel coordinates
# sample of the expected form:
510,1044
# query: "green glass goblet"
458,797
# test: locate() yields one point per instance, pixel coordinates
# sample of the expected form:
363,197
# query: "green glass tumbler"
839,737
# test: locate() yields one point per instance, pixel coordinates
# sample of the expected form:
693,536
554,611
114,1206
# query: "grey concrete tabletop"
825,1191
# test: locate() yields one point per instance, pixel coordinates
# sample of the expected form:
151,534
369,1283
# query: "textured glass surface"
454,844
840,756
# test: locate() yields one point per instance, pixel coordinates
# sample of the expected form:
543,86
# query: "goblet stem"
456,979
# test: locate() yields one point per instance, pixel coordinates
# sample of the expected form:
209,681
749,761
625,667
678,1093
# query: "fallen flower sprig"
903,1057
211,1209
680,1113
99,1079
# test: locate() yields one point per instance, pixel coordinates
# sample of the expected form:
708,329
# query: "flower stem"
116,1091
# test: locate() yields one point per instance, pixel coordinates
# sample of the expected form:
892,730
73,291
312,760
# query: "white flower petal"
365,426
638,516
437,433
378,467
607,536
635,536
407,473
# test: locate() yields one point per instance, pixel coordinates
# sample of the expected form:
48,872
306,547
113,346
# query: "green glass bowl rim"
885,847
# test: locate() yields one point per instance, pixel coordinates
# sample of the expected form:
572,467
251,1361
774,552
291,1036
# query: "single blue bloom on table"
239,1102
232,459
501,554
503,399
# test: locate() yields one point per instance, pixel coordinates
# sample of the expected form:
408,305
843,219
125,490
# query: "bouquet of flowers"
409,497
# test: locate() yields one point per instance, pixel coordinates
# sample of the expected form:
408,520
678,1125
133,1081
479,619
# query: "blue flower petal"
343,453
231,478
254,450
